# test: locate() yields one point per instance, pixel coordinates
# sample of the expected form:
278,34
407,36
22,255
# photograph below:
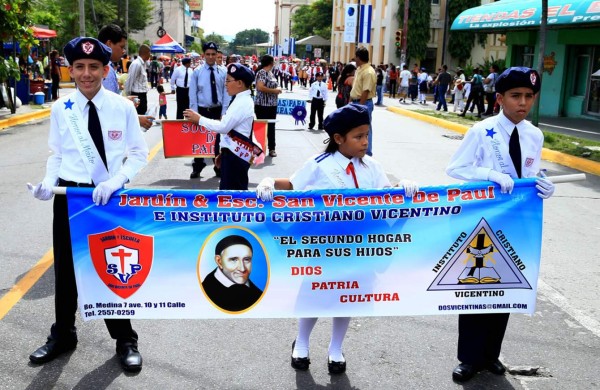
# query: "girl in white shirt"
344,164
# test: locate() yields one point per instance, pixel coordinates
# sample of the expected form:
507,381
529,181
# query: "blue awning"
524,14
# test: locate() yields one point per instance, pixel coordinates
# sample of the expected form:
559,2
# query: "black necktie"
213,86
319,90
96,131
185,79
514,149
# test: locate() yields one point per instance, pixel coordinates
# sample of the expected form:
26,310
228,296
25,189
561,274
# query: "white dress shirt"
120,131
318,86
137,81
178,77
475,158
326,170
239,117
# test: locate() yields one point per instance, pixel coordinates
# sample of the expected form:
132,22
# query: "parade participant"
219,59
115,38
364,87
180,86
344,164
480,335
265,103
229,285
137,81
318,96
424,80
237,148
442,81
208,95
117,159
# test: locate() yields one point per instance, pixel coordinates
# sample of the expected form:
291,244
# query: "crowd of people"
218,96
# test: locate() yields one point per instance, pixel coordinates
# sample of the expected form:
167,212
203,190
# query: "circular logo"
161,32
350,11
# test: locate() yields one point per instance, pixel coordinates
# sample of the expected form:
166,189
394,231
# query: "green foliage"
245,41
460,43
14,27
216,38
314,19
489,62
419,16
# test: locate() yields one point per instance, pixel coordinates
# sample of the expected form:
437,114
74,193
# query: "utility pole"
403,58
127,25
535,114
356,39
82,18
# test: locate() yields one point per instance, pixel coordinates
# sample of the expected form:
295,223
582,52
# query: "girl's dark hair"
160,89
348,69
332,146
265,60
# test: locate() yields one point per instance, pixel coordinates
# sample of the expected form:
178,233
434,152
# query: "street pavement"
557,346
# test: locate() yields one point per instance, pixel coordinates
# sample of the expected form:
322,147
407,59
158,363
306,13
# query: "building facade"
175,18
284,9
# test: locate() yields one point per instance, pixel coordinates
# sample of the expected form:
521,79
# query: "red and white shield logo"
87,47
122,259
533,78
115,135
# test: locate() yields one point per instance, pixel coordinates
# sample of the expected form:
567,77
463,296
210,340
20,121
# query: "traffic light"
398,38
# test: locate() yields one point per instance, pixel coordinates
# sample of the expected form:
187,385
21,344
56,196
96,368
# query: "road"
562,338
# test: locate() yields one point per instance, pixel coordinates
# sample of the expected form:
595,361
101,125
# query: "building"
175,18
284,9
571,76
384,25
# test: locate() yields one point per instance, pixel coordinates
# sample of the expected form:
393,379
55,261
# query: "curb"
19,119
566,160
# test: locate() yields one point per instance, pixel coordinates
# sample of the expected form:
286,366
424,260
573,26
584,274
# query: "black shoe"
196,171
462,114
336,367
463,372
51,350
299,363
496,367
130,357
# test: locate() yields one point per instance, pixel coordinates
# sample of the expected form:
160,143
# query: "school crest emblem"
87,47
122,259
115,135
528,162
533,78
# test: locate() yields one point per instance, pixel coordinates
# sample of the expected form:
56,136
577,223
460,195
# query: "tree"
216,38
460,43
314,19
245,41
419,15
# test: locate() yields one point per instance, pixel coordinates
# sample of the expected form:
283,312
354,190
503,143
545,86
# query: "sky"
228,17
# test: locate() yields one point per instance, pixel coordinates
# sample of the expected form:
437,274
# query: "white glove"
506,182
410,187
545,187
42,191
104,190
265,189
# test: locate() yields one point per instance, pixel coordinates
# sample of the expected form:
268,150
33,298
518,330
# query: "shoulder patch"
321,157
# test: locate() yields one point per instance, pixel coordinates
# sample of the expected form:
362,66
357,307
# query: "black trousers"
480,337
65,287
490,97
55,83
316,107
234,172
268,112
211,113
182,97
143,106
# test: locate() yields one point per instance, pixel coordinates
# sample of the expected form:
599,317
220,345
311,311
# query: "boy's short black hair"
160,89
111,32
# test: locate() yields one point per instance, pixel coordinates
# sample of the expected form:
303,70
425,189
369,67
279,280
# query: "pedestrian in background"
265,103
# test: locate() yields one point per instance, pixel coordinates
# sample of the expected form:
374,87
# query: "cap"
344,119
186,60
229,241
240,72
210,45
458,81
518,77
87,47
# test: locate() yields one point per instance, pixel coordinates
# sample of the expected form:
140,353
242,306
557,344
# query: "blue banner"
286,106
209,254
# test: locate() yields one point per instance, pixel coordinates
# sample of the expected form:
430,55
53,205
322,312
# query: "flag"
364,34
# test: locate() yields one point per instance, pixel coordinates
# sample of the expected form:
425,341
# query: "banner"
209,254
185,139
350,23
286,106
364,33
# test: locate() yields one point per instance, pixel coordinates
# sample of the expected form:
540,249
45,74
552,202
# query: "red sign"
185,139
122,259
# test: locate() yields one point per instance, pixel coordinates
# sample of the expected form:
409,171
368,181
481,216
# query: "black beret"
518,77
240,72
86,47
229,241
319,74
210,45
186,60
344,119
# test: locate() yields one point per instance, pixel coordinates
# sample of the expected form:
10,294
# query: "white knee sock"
340,326
305,327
